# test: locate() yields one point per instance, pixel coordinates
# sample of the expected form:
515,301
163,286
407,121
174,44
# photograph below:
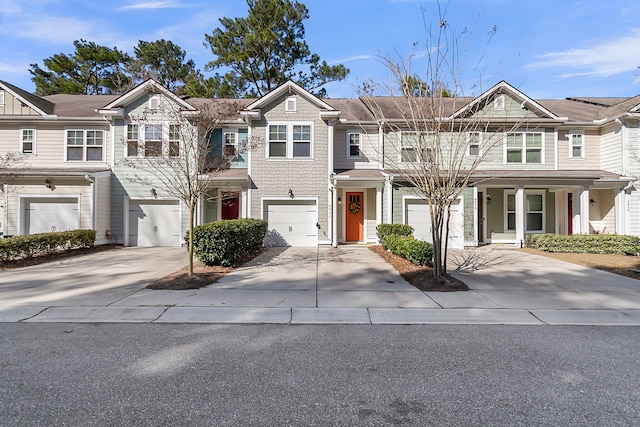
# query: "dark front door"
480,217
230,205
570,214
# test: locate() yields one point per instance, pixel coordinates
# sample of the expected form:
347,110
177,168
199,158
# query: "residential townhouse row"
321,174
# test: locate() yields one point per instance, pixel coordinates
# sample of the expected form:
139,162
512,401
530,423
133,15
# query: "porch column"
378,208
622,213
200,210
334,216
559,207
584,210
520,210
244,203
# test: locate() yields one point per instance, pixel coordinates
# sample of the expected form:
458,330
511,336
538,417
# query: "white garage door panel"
291,223
154,223
54,214
417,215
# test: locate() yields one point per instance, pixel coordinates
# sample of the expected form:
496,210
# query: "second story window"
524,147
417,147
133,139
153,140
576,145
174,140
289,141
473,144
230,144
353,144
28,141
84,145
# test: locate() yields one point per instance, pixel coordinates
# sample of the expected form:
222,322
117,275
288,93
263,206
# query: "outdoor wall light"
488,199
291,193
154,193
47,183
339,201
593,202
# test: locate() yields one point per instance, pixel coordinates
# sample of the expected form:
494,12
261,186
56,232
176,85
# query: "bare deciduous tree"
183,162
436,138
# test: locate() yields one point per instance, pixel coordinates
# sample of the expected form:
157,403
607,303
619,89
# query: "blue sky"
547,49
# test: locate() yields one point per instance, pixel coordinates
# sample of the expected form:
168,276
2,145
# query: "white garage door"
291,223
417,215
154,223
51,214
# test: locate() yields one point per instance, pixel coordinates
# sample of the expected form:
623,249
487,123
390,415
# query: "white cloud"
12,68
350,59
169,4
51,28
603,60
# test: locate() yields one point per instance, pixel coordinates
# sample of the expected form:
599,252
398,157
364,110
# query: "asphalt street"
302,375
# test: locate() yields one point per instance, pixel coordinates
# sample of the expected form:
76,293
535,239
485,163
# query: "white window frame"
85,146
173,141
499,102
541,193
582,145
289,140
130,141
33,141
291,104
228,133
165,135
350,144
523,149
479,143
415,149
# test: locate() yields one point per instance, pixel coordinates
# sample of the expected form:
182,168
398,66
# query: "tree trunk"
191,218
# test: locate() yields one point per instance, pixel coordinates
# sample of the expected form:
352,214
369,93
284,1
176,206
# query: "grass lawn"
618,264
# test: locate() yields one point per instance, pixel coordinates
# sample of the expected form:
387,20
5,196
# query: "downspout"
332,196
92,181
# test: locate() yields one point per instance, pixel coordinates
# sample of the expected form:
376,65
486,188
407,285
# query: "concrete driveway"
348,284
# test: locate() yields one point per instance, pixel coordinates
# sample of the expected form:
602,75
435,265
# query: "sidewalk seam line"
536,317
161,314
37,314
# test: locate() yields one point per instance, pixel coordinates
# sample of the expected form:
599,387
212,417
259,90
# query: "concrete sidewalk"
348,284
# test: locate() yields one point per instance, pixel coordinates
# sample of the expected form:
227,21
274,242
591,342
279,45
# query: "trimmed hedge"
28,246
586,243
384,230
416,251
226,242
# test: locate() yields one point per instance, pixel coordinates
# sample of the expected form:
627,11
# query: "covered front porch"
225,196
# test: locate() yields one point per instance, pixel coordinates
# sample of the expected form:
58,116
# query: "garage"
44,215
291,223
417,215
154,223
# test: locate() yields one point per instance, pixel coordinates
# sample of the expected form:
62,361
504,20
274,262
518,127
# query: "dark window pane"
94,153
534,221
514,156
277,149
74,153
301,149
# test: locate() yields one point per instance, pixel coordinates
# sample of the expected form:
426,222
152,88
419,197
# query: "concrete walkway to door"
348,284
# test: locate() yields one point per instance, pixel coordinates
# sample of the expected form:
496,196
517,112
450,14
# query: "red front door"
355,217
230,205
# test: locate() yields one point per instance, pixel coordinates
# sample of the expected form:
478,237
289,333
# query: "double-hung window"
153,140
289,141
353,144
84,145
524,147
533,211
28,141
576,145
417,147
133,139
230,145
174,140
474,140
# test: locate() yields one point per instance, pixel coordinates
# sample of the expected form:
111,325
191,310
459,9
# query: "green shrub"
585,243
416,251
30,245
384,230
226,242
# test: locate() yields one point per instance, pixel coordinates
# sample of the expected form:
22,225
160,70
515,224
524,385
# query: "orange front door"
355,217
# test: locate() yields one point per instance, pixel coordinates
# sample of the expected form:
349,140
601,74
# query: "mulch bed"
419,276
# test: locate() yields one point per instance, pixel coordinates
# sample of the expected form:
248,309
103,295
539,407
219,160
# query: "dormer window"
290,104
154,102
499,102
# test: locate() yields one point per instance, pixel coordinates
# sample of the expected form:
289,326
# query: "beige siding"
35,188
14,107
369,147
370,218
102,206
611,148
591,149
305,177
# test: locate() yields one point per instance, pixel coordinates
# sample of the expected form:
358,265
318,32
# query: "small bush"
416,251
28,246
585,243
226,242
384,230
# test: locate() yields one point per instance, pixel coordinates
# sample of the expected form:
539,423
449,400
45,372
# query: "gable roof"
149,85
42,106
289,87
504,87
